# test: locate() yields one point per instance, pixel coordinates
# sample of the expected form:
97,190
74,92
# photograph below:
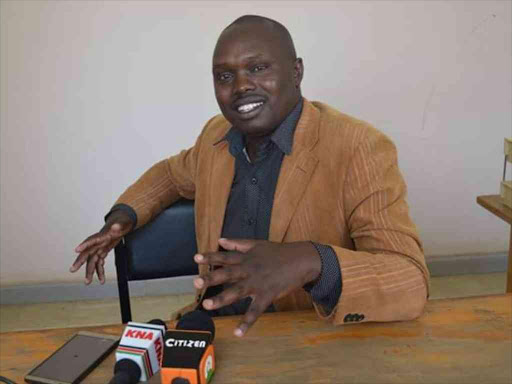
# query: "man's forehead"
249,42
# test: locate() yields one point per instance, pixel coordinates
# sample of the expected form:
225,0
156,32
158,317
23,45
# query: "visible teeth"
248,107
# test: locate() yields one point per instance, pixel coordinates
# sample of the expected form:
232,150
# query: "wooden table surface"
494,204
466,340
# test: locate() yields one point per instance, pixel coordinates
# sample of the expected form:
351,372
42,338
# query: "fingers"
96,263
255,310
100,269
95,242
84,257
95,248
239,245
91,241
219,258
227,274
91,267
234,294
227,297
95,259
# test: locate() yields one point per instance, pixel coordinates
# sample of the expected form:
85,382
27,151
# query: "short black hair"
278,28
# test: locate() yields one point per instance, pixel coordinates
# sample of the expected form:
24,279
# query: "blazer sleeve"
385,278
163,184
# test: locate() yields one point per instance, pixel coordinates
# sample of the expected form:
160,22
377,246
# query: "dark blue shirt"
249,208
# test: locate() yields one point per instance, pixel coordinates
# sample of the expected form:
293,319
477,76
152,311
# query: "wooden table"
494,204
466,340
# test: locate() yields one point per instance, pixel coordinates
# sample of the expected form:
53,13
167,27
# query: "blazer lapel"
223,171
296,172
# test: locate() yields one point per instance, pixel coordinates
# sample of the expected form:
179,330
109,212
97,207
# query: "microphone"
188,350
140,352
126,371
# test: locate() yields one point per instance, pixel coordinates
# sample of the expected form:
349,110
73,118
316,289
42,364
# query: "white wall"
93,93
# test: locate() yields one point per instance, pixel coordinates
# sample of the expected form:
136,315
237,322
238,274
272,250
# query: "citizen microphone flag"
188,351
143,344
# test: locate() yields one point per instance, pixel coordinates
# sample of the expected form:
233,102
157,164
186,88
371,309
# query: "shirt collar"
282,136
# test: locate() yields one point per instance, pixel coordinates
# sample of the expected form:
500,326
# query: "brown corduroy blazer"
340,186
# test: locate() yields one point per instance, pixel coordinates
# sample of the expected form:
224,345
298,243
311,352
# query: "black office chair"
162,248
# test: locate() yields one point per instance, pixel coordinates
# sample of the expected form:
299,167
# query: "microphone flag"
188,351
142,343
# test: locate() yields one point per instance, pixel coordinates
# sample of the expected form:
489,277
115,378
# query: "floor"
98,312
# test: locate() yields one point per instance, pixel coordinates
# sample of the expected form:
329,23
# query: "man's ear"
298,71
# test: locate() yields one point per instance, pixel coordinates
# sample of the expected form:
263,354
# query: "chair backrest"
162,248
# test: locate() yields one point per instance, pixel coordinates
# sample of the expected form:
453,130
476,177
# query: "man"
297,205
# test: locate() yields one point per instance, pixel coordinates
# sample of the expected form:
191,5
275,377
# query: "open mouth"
250,107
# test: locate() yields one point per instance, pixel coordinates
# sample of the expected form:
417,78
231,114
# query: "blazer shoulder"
215,129
346,129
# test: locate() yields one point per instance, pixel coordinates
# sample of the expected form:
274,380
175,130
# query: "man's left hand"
260,269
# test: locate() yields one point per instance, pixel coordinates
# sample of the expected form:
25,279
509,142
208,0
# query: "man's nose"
243,84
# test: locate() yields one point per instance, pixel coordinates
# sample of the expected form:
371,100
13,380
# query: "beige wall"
93,93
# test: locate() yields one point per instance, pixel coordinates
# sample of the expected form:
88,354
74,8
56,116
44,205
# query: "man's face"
257,82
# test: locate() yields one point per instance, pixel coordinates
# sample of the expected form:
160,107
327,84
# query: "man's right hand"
95,248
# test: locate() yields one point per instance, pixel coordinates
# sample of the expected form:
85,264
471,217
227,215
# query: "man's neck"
253,143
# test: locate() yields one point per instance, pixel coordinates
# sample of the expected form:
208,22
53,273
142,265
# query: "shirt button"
250,221
254,181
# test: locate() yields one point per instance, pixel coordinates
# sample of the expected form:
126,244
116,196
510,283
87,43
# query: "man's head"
256,74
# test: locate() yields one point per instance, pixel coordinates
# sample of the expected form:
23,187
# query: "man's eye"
259,68
224,76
